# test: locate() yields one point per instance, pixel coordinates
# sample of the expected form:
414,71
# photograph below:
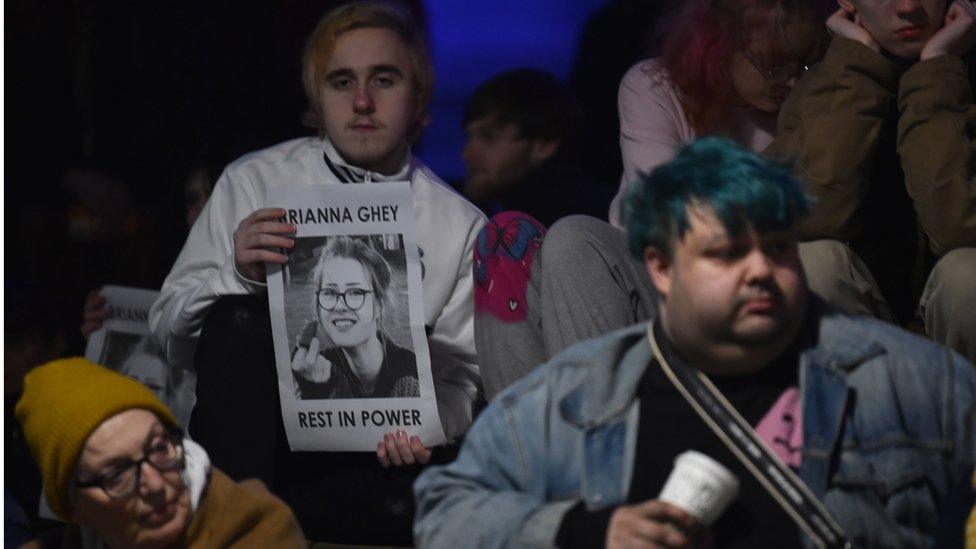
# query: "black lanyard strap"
779,480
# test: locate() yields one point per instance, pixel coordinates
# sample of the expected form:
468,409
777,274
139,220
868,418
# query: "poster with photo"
124,344
347,320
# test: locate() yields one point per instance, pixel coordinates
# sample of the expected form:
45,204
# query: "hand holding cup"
651,524
701,486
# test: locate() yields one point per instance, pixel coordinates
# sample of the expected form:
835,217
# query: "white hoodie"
447,226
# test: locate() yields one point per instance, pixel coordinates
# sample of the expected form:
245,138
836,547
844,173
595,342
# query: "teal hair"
738,186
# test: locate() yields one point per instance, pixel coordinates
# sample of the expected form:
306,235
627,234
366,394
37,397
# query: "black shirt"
667,427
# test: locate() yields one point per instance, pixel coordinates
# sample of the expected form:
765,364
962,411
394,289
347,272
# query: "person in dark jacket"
881,132
523,152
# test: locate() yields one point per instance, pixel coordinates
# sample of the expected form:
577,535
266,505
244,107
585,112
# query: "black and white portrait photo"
139,357
347,318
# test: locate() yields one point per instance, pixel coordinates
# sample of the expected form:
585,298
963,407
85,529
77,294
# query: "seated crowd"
792,200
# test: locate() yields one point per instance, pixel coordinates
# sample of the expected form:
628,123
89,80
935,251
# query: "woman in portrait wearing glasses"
345,353
725,69
117,469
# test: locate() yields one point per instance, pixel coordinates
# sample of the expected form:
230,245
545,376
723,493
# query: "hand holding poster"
347,320
125,344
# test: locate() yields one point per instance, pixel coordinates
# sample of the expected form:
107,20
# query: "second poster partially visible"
124,344
347,320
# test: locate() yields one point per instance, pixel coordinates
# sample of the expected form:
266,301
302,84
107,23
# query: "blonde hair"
366,15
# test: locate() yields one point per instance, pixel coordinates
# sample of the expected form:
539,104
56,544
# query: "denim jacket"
888,426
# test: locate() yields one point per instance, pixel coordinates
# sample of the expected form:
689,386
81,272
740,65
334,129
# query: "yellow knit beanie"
63,402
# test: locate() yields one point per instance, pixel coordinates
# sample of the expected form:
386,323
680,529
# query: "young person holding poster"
368,78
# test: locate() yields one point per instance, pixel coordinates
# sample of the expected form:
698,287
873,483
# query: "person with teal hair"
737,186
818,414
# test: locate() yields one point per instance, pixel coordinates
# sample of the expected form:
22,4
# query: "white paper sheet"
347,320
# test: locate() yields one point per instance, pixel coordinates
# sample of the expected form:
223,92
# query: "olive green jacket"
833,126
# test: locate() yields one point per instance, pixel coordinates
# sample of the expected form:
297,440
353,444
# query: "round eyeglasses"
164,453
353,298
777,75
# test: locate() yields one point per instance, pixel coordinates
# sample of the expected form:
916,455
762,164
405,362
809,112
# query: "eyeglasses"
777,75
353,298
164,452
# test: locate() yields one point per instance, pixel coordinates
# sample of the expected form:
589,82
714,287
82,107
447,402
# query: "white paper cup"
700,485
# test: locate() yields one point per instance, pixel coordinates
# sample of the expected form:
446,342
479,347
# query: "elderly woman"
116,467
347,354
